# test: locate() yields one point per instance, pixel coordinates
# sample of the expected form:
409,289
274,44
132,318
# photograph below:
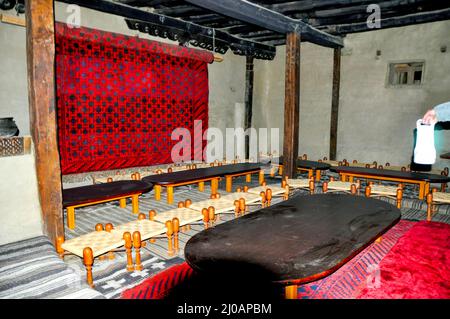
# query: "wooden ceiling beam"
254,14
238,45
411,19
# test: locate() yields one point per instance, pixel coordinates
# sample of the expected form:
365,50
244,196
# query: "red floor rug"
158,286
417,267
343,283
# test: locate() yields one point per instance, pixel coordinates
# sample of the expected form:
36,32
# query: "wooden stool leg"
128,246
201,186
228,184
248,178
291,292
135,204
123,202
169,194
88,260
137,250
157,189
71,217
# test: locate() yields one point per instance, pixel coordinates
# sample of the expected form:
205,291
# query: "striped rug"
32,269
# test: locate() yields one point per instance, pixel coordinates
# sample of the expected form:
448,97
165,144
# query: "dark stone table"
296,241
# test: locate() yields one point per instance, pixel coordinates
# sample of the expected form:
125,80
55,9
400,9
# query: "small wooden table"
294,242
313,168
348,173
200,176
101,193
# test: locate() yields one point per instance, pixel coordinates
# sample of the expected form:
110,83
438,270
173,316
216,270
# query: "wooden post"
41,97
248,101
291,104
335,102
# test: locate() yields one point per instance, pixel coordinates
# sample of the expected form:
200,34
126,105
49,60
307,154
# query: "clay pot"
8,127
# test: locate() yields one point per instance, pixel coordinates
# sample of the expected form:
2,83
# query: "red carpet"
417,267
159,285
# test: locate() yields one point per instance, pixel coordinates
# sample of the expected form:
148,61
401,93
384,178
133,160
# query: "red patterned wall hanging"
120,97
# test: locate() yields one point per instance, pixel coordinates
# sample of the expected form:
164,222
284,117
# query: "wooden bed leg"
325,187
429,206
157,189
201,186
135,203
211,215
368,191
169,194
137,250
291,292
205,214
263,199
59,249
310,173
268,196
248,178
280,170
169,234
236,208
228,184
242,206
123,202
312,186
318,175
399,198
128,245
286,192
261,177
176,230
71,217
272,172
108,228
88,260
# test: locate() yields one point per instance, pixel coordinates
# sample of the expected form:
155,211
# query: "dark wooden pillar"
248,101
335,102
291,104
41,97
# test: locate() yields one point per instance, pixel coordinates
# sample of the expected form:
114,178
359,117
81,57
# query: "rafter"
172,28
254,14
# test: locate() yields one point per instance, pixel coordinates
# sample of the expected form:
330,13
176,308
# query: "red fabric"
158,286
119,98
417,267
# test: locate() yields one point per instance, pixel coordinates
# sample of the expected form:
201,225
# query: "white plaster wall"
13,76
375,122
20,212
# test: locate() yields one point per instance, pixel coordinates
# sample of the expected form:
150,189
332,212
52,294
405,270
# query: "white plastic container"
424,152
